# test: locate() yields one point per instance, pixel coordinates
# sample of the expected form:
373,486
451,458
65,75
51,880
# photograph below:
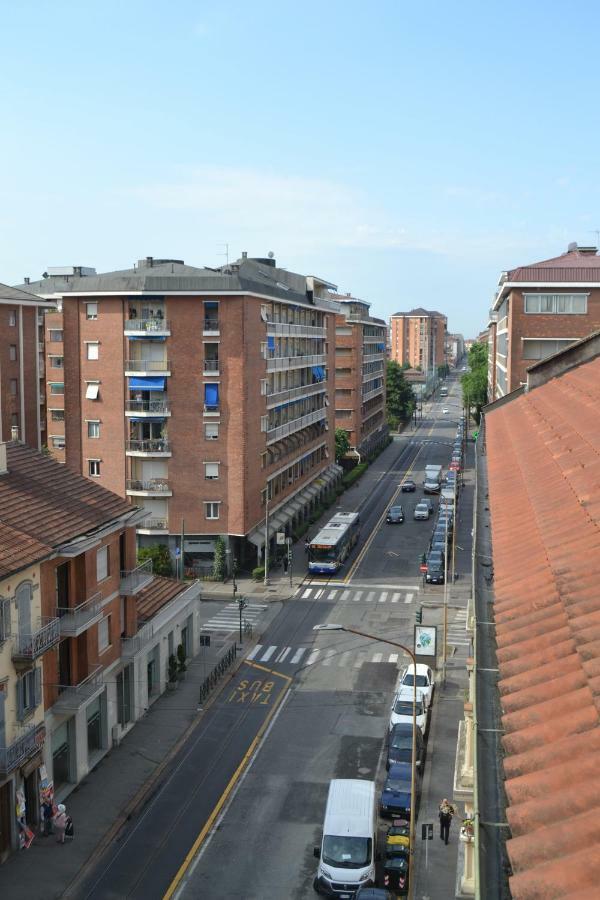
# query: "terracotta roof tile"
543,451
159,592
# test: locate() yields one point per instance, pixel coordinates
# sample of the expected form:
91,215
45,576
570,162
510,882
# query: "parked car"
402,710
425,682
445,411
431,487
395,515
400,746
435,572
374,893
408,486
455,465
437,542
396,794
421,511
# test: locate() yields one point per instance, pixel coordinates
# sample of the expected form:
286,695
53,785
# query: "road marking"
332,595
393,657
377,657
409,598
395,597
360,658
345,595
369,597
269,653
357,596
306,593
256,650
328,656
312,658
298,655
282,655
318,594
344,658
383,597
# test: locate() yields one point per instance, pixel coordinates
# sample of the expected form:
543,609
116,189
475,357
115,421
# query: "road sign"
427,831
177,552
423,567
281,537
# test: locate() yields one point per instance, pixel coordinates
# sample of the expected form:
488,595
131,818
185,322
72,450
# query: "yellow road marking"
231,784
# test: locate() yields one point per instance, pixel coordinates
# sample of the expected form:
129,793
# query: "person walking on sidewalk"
47,814
60,823
446,813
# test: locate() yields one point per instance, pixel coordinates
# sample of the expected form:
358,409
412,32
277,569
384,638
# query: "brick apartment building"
22,387
360,363
539,309
418,338
192,391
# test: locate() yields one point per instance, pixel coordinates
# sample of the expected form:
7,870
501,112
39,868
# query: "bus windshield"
318,553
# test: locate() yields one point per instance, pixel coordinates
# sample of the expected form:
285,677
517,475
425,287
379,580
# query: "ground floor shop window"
153,672
94,727
61,755
124,695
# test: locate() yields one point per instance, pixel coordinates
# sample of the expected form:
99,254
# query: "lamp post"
266,580
413,767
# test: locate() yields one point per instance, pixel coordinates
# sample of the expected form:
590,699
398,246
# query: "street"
242,807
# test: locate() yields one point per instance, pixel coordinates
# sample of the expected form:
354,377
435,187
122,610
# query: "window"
29,693
4,619
57,387
211,397
343,330
12,352
211,431
211,510
540,349
91,391
102,563
94,468
211,315
56,335
211,470
14,386
58,442
93,431
103,634
91,310
264,423
57,362
14,420
57,415
92,349
12,318
558,304
343,371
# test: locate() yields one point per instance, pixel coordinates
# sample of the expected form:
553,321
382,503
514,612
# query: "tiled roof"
18,550
43,504
420,312
543,451
569,268
18,295
159,592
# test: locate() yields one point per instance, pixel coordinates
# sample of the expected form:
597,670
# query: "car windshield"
421,680
401,740
345,852
396,510
397,783
405,708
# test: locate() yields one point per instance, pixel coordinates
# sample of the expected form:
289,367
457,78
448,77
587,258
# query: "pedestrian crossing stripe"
358,595
229,617
305,656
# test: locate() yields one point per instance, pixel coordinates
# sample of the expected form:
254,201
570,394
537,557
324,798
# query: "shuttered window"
29,693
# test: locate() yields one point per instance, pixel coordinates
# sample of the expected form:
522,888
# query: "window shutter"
4,619
20,708
38,687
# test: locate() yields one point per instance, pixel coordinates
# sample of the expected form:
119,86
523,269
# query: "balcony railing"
149,447
154,523
211,365
19,750
374,393
133,580
211,324
148,326
147,365
295,362
132,645
153,486
280,431
74,620
303,390
29,646
286,329
148,407
73,696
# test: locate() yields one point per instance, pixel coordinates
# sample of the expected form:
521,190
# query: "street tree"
474,382
400,397
342,444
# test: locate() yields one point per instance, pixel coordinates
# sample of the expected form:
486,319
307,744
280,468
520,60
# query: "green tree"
342,444
219,569
162,563
474,383
400,395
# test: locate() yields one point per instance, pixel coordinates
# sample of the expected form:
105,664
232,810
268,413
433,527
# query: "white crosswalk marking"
395,597
269,653
345,595
393,657
328,656
369,597
383,597
377,657
298,655
313,657
318,594
357,596
283,655
332,595
344,658
256,650
409,598
229,617
306,593
360,658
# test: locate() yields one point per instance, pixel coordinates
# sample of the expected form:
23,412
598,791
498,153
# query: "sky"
408,153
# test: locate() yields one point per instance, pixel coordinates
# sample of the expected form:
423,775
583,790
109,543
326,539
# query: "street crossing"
357,595
457,630
310,656
228,618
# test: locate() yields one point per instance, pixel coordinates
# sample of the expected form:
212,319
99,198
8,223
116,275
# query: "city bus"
333,543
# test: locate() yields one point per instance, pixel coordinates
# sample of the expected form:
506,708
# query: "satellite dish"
270,254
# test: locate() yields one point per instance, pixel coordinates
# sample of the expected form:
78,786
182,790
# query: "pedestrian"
285,565
47,814
446,813
60,823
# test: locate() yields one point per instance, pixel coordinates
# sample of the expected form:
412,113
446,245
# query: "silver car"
421,511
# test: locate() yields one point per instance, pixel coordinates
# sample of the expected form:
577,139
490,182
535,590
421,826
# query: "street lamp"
413,767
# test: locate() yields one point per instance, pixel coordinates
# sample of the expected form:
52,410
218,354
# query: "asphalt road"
246,817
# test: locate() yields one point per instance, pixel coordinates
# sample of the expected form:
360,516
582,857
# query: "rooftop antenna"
225,253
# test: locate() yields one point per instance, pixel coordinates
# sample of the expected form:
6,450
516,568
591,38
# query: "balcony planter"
467,831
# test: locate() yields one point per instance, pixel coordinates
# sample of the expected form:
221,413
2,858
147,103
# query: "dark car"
437,543
445,521
373,893
408,486
435,573
396,793
400,745
395,515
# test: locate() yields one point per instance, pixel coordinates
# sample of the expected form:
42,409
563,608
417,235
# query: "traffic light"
419,615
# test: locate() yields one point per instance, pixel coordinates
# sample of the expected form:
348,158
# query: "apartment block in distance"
360,372
539,309
22,388
418,339
194,392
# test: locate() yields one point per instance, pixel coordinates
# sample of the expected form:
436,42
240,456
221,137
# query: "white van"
347,853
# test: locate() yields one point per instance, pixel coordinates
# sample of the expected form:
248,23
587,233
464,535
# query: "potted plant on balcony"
181,666
467,831
173,673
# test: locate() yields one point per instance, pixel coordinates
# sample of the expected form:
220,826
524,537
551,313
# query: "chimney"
26,280
3,464
244,254
149,261
14,433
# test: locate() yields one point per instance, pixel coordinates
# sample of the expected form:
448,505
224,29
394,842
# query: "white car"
402,710
425,682
421,511
445,411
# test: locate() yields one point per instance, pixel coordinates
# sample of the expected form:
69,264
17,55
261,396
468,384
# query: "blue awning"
270,342
211,394
150,383
145,418
147,337
319,373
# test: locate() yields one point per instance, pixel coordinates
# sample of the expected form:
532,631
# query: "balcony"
211,325
285,329
150,447
376,392
144,408
155,487
131,646
147,367
139,327
74,620
211,366
29,646
24,746
295,362
303,390
73,696
133,580
154,525
281,431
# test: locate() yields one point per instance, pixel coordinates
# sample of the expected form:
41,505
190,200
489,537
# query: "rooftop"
157,594
20,295
420,313
543,452
44,505
579,265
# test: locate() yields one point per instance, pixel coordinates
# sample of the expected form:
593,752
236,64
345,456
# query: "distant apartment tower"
539,309
193,392
22,388
418,339
455,348
360,369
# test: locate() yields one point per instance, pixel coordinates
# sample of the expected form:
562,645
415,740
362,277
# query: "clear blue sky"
407,152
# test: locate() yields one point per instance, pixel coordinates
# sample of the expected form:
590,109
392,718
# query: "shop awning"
149,383
145,418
